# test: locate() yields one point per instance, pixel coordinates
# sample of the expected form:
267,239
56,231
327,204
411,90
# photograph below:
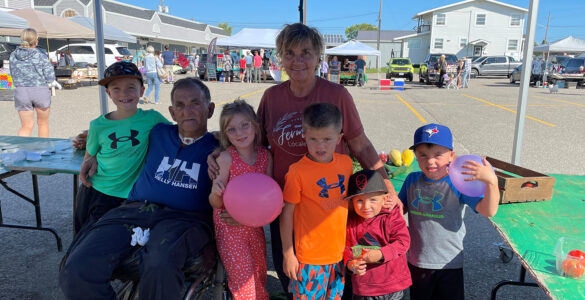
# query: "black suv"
5,50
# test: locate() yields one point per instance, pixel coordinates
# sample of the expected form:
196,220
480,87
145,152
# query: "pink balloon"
253,199
474,188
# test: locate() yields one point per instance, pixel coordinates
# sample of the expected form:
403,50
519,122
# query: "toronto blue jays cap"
433,134
121,69
364,182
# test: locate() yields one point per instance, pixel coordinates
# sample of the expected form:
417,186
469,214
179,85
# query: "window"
438,43
440,20
511,59
81,50
500,60
462,42
108,51
414,43
512,45
515,20
480,19
491,60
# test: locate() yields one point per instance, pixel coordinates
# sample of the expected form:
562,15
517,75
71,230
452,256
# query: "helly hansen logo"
131,137
179,173
324,193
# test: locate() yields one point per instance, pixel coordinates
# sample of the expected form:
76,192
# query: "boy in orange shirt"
315,208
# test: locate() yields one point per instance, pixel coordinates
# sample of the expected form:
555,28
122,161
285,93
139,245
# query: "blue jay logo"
324,193
435,200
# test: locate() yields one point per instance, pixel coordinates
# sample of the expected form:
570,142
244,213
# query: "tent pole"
101,58
524,81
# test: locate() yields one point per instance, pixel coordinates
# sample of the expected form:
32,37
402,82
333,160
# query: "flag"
211,50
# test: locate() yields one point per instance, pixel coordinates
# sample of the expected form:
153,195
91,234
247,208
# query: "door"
500,67
477,50
489,66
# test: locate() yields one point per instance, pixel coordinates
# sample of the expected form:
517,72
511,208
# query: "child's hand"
372,256
80,140
217,189
483,173
357,266
227,218
290,266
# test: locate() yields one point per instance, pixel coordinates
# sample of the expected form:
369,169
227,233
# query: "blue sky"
333,16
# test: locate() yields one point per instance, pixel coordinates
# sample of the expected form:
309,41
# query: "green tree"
225,26
352,31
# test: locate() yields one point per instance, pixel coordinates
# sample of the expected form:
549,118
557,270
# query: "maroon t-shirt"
280,116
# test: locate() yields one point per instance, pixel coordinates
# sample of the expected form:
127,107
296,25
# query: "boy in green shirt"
119,141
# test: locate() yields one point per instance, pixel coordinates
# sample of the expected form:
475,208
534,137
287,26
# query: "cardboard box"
518,184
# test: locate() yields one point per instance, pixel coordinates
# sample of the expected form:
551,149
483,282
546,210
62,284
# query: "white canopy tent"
354,47
569,44
251,37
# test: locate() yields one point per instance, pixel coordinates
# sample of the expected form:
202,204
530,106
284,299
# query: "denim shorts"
30,97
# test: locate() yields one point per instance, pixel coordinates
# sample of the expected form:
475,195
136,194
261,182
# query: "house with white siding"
148,26
467,28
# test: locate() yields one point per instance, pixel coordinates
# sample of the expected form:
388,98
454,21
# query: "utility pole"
305,12
546,31
378,44
301,11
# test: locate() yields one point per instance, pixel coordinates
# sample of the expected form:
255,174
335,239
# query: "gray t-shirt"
435,221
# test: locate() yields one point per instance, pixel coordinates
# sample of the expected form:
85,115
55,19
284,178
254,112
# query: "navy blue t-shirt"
168,57
173,175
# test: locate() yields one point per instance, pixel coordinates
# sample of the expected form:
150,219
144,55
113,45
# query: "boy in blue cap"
435,214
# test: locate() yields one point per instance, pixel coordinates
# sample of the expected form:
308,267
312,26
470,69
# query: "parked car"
494,65
87,53
573,65
428,69
515,76
399,67
5,49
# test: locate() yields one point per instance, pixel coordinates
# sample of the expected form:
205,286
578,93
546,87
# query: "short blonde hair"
293,35
29,38
150,49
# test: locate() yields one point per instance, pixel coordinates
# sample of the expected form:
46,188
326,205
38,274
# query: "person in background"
227,66
66,59
196,63
335,67
31,73
257,66
360,65
466,72
441,66
151,64
324,69
242,69
249,66
346,65
168,62
459,72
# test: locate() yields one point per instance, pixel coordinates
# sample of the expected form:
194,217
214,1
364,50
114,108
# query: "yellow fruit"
395,157
407,157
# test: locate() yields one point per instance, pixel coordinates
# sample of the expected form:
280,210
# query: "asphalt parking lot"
482,119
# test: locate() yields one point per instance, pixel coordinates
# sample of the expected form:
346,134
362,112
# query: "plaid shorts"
315,282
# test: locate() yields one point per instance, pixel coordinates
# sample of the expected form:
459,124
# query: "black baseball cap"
121,69
364,182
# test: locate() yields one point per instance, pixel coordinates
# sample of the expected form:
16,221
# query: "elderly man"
169,198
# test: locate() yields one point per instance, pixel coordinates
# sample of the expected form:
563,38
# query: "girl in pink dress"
242,249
